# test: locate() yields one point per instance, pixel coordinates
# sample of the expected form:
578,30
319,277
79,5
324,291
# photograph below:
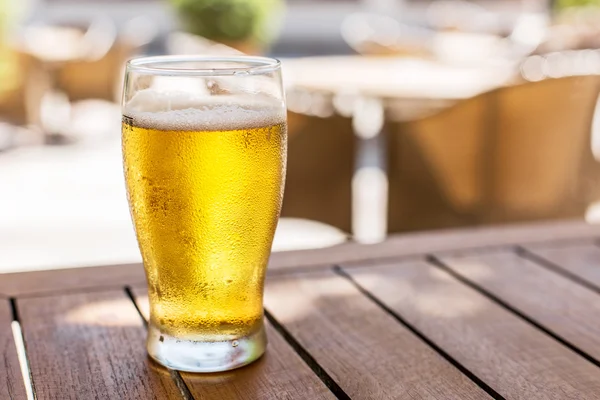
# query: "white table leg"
370,180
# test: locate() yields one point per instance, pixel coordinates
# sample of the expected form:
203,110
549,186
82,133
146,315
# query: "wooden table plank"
366,351
435,241
279,374
512,356
338,329
11,381
579,259
40,282
558,304
90,346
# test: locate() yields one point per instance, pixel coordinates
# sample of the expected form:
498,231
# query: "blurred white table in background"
396,77
372,89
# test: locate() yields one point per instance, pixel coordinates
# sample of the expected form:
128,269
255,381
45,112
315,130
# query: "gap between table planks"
90,345
367,352
11,382
577,261
567,310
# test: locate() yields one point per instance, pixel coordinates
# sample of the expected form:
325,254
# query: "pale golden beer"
205,204
204,151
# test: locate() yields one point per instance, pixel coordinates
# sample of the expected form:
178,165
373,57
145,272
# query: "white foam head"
180,111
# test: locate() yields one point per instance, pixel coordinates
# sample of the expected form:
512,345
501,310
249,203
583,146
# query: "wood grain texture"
580,259
40,282
365,350
437,241
560,305
90,346
279,375
11,381
510,355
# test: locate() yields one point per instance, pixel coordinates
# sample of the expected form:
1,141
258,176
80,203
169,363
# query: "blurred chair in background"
22,89
93,67
432,168
54,47
22,83
79,64
98,71
343,162
319,171
513,154
541,139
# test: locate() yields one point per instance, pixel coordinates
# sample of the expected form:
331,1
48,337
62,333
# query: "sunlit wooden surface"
494,313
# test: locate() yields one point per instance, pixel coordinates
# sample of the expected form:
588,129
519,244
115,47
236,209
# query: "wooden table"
502,313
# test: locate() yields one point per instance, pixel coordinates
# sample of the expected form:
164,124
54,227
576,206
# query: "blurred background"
404,115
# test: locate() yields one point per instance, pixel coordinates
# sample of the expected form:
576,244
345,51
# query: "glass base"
198,356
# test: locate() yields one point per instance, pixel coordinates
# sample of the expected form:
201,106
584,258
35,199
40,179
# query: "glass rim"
159,65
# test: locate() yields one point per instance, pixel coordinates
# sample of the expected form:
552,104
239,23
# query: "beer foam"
184,112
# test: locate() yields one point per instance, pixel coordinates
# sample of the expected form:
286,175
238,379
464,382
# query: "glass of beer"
204,152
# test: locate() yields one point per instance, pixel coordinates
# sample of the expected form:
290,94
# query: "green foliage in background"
229,20
562,4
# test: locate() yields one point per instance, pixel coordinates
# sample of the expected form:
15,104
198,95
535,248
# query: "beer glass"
204,149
